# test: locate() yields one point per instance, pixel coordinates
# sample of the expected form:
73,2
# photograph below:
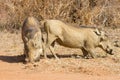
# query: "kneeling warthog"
86,39
31,35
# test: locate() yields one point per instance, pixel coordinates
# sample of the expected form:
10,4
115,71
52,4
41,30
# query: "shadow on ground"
21,58
64,56
13,59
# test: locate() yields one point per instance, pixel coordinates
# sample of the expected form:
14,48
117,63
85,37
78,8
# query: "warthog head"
34,48
105,44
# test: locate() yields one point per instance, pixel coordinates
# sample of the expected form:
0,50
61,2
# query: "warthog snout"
35,50
36,57
107,47
33,57
33,60
110,51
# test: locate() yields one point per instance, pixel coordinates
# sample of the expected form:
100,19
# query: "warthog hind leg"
85,53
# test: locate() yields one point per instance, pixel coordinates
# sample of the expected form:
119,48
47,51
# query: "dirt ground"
69,67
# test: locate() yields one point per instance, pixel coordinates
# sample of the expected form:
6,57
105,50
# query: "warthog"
32,38
86,39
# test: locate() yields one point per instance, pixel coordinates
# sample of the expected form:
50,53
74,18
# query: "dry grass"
83,12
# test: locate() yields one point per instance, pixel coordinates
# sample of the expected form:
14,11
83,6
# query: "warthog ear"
97,32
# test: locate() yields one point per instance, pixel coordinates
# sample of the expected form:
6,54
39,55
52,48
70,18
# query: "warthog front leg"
44,38
92,53
51,43
25,52
85,53
52,49
44,51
